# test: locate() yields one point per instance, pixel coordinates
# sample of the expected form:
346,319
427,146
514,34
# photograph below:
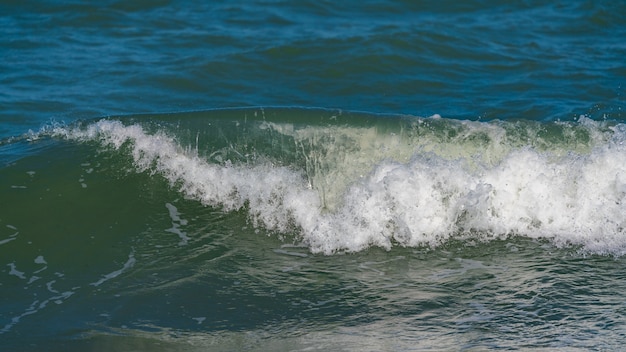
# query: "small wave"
346,186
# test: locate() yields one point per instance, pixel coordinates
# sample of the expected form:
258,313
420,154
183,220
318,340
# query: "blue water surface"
479,60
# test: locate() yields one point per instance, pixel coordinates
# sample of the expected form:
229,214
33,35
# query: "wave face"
343,182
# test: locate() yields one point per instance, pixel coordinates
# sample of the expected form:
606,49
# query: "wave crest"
347,187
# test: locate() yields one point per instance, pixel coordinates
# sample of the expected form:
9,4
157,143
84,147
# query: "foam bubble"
7,240
129,264
16,272
177,222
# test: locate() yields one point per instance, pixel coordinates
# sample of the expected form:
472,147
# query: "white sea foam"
57,296
381,190
35,307
129,264
177,222
16,272
7,240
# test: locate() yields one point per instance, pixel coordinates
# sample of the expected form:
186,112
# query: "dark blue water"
270,175
463,60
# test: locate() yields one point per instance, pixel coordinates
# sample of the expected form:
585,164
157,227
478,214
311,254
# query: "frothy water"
349,188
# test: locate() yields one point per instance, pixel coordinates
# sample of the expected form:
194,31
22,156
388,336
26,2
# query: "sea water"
268,175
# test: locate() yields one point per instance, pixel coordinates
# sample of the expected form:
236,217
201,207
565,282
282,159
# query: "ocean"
268,175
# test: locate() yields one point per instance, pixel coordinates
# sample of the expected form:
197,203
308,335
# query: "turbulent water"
362,176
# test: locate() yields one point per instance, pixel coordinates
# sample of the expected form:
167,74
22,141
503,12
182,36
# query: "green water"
116,251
